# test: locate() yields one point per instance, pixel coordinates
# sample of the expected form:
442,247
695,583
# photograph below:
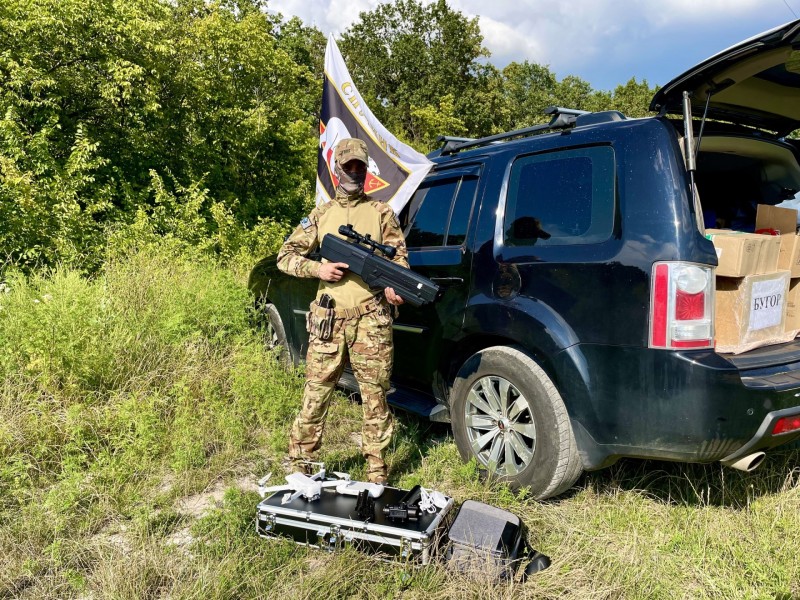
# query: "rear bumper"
690,406
763,439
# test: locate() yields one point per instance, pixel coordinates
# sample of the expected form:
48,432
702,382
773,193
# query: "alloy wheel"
500,426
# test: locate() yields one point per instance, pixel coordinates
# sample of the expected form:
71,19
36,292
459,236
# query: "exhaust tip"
746,463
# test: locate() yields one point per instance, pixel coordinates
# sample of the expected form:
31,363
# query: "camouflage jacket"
367,216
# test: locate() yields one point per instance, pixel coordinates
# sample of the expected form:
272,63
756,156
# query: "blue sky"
605,42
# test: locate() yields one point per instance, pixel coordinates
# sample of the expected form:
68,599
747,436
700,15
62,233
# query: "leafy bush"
107,108
176,226
152,360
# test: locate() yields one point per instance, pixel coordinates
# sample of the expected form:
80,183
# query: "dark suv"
576,323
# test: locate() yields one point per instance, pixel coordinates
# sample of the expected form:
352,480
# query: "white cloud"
343,13
329,16
571,33
709,11
507,41
588,37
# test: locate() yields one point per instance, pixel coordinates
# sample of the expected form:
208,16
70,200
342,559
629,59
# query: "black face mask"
350,183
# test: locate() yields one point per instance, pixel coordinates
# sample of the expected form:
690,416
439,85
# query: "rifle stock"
377,272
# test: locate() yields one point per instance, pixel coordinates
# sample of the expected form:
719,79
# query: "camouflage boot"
376,471
299,465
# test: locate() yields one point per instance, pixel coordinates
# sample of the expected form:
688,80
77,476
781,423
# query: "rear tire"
509,416
274,333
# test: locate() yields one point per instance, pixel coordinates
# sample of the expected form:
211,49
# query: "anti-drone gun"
376,271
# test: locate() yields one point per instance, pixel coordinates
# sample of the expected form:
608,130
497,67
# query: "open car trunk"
736,173
746,102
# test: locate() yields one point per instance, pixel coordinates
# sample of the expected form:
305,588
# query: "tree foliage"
96,96
528,88
197,119
633,98
423,70
406,57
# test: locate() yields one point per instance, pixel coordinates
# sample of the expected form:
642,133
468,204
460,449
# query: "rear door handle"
447,280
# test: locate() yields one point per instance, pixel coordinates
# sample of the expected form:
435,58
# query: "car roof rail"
605,116
561,119
451,141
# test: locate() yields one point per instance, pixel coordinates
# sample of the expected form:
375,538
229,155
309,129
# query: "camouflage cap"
351,149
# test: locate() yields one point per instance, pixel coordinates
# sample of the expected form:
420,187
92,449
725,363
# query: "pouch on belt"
320,322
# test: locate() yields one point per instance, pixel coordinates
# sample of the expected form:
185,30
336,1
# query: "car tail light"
682,306
786,425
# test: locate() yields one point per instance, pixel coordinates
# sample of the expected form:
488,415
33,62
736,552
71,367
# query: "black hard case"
331,521
484,539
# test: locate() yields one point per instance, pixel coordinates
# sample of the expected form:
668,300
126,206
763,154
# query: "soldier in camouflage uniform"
360,324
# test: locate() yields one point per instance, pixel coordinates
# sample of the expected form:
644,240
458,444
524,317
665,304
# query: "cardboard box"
751,311
740,254
793,307
784,220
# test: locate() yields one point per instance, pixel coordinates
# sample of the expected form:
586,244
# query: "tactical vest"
361,213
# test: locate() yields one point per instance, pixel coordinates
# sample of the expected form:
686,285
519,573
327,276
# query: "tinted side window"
462,207
562,197
429,209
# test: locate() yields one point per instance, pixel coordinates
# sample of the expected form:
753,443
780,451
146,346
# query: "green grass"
138,408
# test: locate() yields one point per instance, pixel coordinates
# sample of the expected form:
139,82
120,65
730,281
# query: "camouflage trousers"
367,340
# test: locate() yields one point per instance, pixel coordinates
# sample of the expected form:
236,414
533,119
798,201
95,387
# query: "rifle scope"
349,232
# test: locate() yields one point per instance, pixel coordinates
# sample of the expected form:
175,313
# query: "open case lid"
755,83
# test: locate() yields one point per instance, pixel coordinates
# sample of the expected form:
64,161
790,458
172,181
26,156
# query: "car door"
436,224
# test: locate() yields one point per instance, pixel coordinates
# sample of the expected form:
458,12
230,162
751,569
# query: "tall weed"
149,366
